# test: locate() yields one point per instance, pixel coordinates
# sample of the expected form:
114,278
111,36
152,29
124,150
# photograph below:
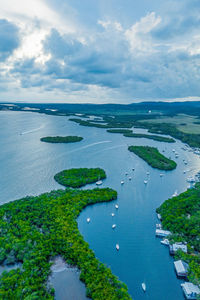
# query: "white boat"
116,206
165,242
175,194
147,173
129,178
159,216
161,175
184,172
162,233
144,287
113,226
159,226
112,214
88,220
117,247
145,181
126,173
173,150
99,182
122,182
191,179
133,169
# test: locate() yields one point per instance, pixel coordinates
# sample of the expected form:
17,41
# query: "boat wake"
90,145
33,130
110,148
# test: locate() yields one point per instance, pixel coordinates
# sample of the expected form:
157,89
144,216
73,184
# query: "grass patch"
184,123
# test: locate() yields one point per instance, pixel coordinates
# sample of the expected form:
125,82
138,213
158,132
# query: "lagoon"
28,167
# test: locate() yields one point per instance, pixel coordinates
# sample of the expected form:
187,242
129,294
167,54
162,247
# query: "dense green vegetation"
79,177
153,157
61,139
36,229
181,215
124,131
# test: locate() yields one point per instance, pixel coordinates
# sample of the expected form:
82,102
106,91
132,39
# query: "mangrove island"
61,139
153,157
76,178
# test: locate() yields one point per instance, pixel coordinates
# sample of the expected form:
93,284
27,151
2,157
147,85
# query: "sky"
99,51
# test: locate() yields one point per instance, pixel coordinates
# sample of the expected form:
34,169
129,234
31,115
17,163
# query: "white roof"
181,267
176,247
191,288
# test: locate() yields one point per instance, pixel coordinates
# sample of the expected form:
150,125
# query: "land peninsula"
36,229
153,157
181,216
76,178
61,139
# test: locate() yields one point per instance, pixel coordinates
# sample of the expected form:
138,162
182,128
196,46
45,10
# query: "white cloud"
138,35
60,58
110,25
27,13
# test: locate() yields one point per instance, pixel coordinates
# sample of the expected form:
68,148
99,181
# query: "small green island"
76,178
123,131
61,139
153,157
181,215
129,133
157,138
34,230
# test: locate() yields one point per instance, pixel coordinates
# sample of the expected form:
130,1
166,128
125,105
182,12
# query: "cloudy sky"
99,51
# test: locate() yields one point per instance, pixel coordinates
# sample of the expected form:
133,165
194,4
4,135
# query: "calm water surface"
28,166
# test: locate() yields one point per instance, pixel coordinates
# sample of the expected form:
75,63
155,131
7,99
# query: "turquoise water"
28,166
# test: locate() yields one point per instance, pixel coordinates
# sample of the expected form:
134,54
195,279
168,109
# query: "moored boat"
144,287
99,182
165,242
